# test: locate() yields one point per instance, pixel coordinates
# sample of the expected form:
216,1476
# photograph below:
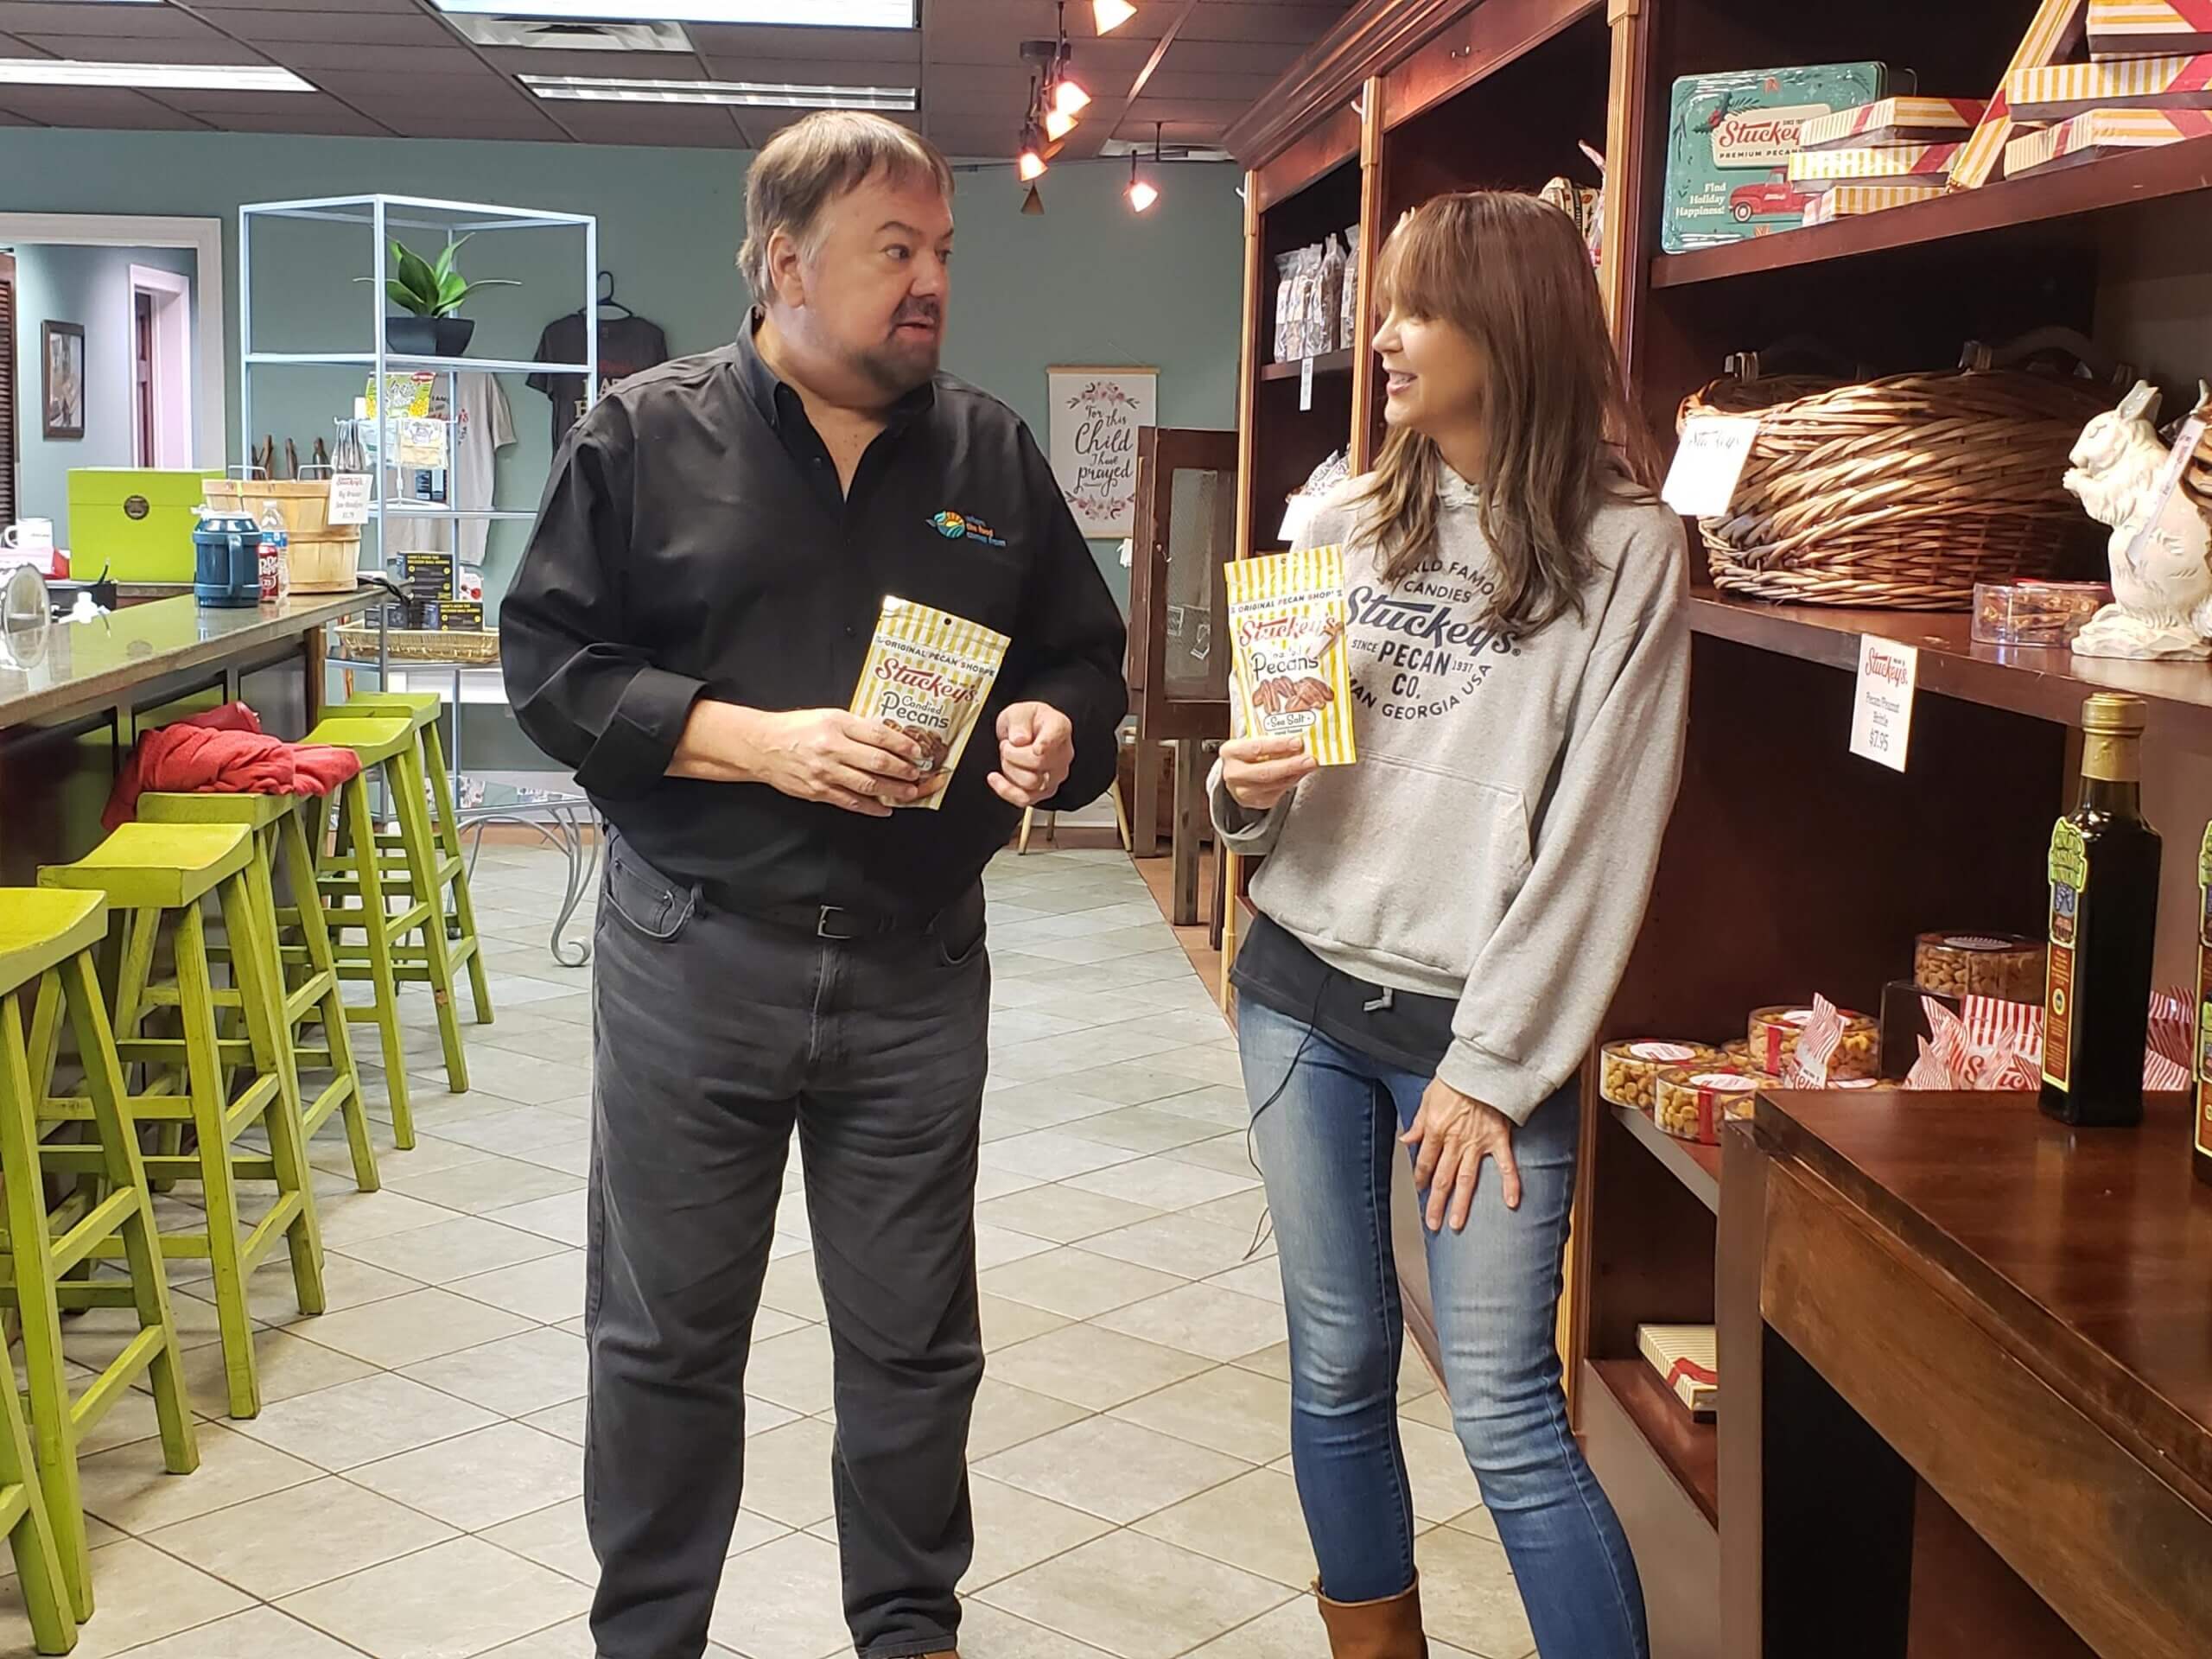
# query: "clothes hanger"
606,301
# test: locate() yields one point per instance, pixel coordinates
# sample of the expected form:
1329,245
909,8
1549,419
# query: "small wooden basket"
305,502
325,564
473,645
1903,492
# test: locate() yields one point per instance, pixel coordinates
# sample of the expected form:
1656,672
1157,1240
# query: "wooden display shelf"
1689,1449
2043,682
2069,193
1324,363
1695,1167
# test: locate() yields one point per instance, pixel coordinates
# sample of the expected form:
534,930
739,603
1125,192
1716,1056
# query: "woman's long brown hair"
1512,273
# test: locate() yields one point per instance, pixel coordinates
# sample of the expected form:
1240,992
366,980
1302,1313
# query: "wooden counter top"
87,666
2088,1254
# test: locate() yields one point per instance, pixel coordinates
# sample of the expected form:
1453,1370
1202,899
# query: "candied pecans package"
928,673
1287,618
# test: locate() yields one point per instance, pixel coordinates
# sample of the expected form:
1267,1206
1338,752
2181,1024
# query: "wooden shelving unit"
1789,866
1326,363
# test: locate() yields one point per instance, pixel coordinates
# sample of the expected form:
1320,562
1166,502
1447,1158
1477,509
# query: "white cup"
30,540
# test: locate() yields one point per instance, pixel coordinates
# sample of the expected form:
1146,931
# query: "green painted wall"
1087,282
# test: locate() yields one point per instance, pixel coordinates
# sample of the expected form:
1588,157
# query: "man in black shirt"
778,945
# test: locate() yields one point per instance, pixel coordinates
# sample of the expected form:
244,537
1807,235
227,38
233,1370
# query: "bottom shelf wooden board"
1662,1474
1689,1449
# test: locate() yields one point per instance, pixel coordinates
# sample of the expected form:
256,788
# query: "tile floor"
412,1489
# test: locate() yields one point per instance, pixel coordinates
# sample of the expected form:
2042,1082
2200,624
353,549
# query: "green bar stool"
390,900
47,939
157,875
312,996
421,710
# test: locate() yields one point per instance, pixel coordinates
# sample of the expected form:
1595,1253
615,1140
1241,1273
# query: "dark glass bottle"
2200,1155
2104,912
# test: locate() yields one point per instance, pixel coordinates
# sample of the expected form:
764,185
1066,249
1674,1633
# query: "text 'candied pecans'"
928,673
1286,625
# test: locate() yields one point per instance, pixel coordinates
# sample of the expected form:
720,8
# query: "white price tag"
349,498
1305,385
1881,712
1709,465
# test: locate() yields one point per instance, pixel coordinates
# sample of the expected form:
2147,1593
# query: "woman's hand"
1453,1133
1258,771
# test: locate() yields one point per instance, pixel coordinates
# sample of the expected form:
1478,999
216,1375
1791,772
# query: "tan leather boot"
1375,1630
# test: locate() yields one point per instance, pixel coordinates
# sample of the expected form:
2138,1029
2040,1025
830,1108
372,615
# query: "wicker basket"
425,645
1903,492
305,502
325,564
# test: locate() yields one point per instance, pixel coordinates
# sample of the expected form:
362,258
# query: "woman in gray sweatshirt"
1443,924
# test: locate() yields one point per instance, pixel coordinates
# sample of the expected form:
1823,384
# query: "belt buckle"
821,923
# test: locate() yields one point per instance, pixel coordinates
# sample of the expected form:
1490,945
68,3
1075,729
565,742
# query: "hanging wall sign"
1096,415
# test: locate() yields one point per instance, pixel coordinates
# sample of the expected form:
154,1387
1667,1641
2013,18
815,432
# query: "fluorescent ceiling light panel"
764,93
814,14
152,77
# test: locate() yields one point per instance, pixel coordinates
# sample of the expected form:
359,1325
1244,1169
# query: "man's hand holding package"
1036,748
810,754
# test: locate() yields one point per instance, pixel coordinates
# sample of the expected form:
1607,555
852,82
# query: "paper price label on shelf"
1709,465
1881,712
349,498
1305,385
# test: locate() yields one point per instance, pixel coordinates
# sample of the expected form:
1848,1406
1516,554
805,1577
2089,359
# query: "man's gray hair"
812,162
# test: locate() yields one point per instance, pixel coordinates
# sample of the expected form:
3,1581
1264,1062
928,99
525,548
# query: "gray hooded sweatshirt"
1496,842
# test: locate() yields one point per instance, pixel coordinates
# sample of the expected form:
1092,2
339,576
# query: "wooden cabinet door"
1185,532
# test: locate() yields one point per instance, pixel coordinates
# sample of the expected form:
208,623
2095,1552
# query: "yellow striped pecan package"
1287,618
928,673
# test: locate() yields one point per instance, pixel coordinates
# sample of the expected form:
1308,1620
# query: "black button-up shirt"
693,540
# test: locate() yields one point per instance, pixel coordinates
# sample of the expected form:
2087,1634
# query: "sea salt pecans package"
928,673
1287,618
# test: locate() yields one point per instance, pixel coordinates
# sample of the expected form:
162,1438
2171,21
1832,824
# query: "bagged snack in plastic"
1287,618
928,673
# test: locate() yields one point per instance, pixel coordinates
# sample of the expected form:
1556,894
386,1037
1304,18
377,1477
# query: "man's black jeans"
716,1033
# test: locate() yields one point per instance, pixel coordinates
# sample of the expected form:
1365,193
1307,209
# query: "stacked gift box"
2098,77
1882,155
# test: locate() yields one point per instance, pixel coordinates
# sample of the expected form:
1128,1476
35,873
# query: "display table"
67,720
1966,1357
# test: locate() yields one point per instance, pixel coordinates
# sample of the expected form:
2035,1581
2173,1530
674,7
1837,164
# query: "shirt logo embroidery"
957,527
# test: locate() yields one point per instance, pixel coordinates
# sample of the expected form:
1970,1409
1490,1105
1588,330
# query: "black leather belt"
835,923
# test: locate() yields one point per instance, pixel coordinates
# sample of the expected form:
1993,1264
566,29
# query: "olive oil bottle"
2104,910
2200,1156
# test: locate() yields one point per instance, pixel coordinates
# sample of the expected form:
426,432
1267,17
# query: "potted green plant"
429,294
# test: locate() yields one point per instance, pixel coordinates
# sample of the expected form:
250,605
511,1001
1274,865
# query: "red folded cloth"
224,752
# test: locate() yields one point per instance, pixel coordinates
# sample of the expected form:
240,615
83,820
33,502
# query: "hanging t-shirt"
627,346
484,425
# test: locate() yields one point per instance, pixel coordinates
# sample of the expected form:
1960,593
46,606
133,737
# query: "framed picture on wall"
1095,416
64,358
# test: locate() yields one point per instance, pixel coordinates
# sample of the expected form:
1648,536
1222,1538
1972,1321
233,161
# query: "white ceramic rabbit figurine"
2162,587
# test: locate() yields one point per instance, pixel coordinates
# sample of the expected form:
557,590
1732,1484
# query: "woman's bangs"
1416,275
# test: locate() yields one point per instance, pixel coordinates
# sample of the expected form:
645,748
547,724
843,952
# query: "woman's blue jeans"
1326,1128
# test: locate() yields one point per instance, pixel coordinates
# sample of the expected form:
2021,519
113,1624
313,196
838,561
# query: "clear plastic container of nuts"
1691,1102
1627,1069
2004,965
1775,1033
2035,612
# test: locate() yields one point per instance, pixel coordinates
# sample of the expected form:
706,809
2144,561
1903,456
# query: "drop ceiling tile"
207,47
122,24
95,106
752,40
339,25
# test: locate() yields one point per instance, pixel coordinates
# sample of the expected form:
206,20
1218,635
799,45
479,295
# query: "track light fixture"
1110,15
1142,191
